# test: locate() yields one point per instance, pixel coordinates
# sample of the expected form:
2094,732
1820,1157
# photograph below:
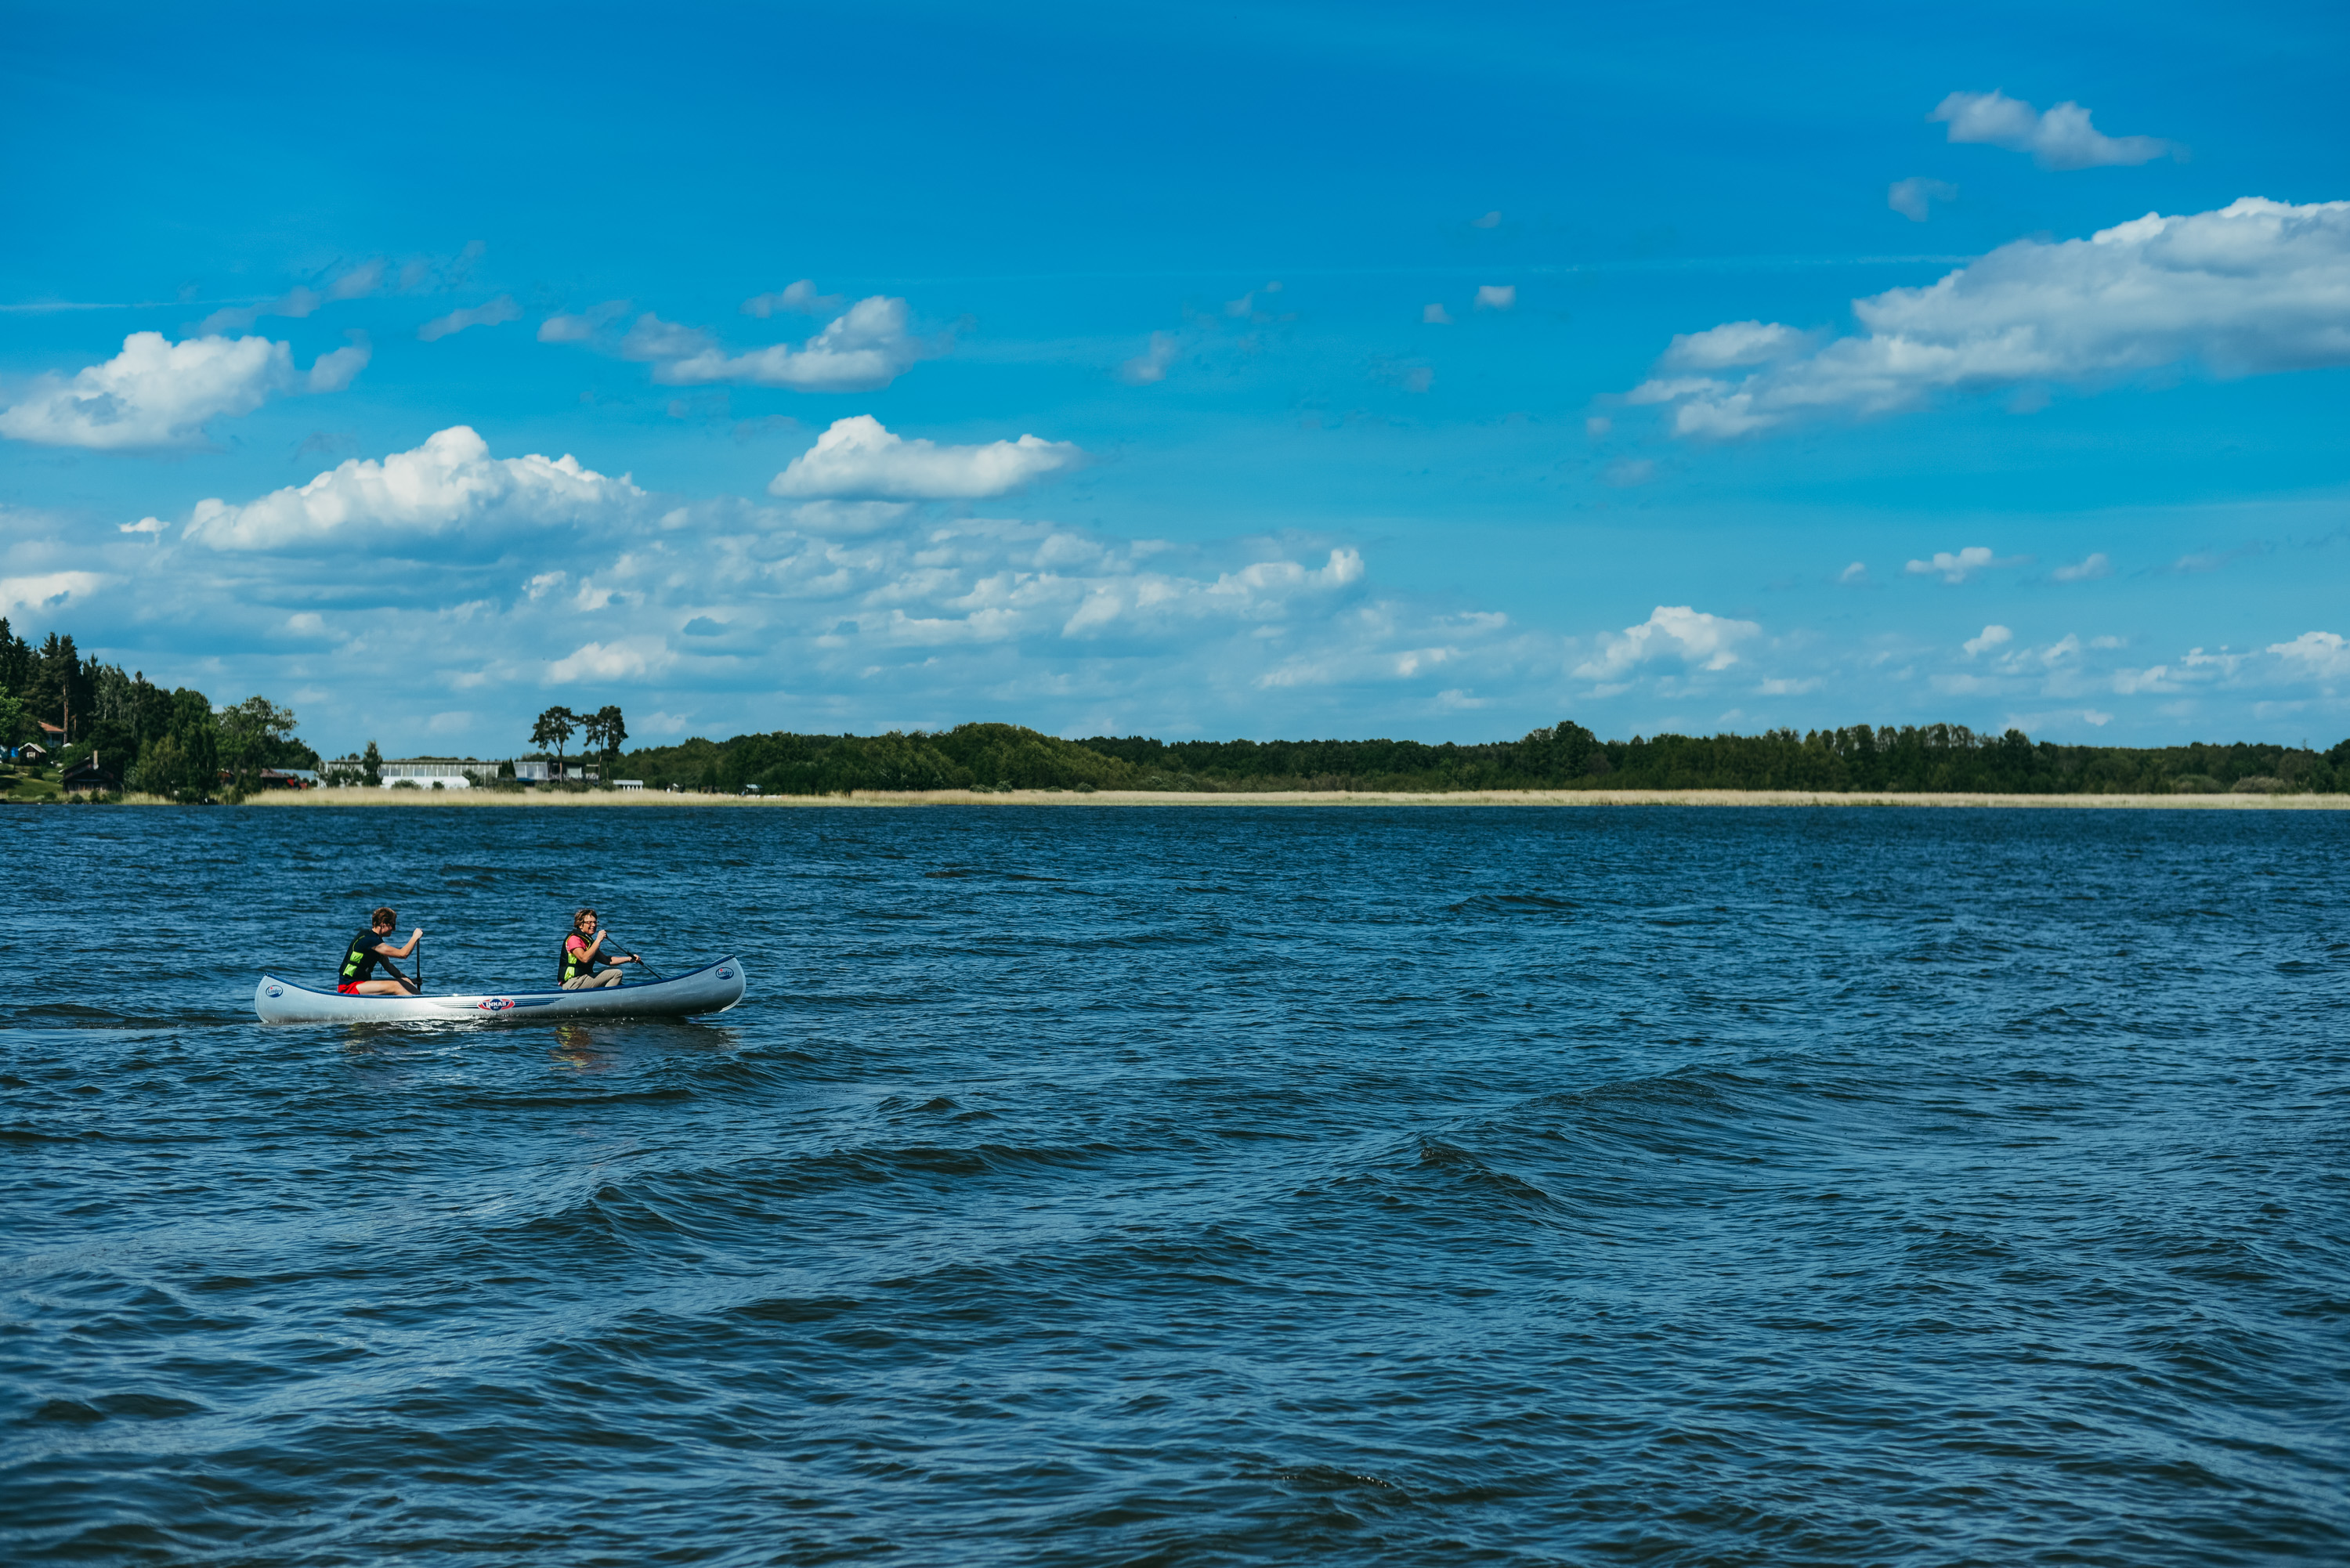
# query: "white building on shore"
461,773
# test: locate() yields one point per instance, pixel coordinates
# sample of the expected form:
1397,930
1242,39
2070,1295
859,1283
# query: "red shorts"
352,989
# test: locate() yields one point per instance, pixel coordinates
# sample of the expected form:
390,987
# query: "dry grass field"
651,800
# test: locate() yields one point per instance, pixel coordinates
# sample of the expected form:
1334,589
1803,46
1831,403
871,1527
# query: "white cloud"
48,591
1992,637
1150,364
1913,198
1957,567
144,525
333,372
1435,314
1627,471
2317,655
1707,641
863,349
2255,287
857,458
2061,138
585,325
799,298
501,309
450,483
1497,296
2093,566
157,392
622,661
1855,575
1731,343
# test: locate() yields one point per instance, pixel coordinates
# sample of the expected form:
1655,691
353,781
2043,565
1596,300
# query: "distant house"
449,772
627,784
550,770
89,775
32,752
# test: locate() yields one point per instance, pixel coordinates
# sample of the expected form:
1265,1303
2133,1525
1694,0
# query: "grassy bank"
634,800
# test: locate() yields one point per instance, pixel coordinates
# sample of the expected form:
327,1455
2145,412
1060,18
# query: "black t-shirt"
359,959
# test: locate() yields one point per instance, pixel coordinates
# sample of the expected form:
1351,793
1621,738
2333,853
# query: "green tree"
195,732
616,733
372,766
554,728
251,734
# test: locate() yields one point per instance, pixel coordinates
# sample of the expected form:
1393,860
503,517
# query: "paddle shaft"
639,958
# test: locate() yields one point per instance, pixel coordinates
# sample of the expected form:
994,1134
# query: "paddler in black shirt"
370,948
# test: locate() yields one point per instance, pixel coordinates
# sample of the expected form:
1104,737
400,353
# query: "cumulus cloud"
2096,564
1957,568
619,660
2315,655
48,591
863,349
1991,638
501,309
1150,364
157,392
1435,314
2061,138
1497,296
1672,631
450,483
798,299
857,458
1913,198
2252,288
149,526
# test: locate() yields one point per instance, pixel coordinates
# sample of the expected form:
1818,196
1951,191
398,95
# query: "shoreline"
649,799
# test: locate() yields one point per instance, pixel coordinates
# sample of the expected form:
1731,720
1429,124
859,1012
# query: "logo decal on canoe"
726,974
495,1003
276,991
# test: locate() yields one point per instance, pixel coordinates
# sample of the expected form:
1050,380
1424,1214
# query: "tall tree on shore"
611,729
554,728
195,733
250,732
62,680
372,766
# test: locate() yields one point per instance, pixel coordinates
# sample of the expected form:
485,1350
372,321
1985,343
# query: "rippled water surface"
1188,1186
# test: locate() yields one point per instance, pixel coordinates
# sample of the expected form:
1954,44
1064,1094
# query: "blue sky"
1281,372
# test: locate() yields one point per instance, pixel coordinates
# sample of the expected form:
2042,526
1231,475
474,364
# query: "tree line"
1862,757
172,744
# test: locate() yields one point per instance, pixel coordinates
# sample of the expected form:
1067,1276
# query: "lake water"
1188,1186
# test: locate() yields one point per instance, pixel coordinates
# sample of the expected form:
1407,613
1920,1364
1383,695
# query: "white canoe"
714,988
